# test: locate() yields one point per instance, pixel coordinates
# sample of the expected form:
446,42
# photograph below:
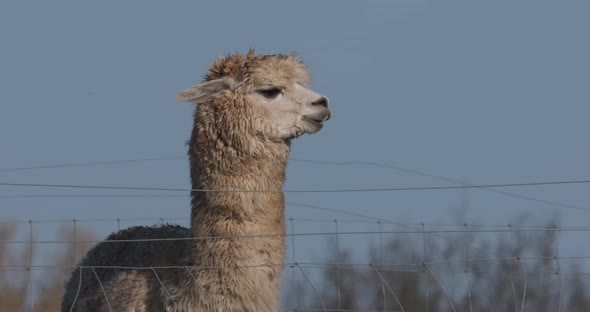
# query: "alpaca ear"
201,92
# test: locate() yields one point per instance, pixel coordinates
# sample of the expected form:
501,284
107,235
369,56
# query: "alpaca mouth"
316,120
315,123
319,118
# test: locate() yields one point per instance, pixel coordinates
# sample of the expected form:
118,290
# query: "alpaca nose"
322,101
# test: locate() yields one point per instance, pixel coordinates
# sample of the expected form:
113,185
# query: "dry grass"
14,285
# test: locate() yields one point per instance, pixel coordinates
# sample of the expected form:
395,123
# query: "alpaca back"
110,262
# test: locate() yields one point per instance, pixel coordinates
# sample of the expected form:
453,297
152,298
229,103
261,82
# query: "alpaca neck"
231,214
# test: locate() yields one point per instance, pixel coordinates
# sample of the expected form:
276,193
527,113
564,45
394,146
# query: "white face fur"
292,110
284,111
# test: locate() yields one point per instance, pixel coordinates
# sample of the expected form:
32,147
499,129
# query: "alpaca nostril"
322,101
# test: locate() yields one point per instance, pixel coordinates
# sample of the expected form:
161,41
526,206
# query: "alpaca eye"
270,93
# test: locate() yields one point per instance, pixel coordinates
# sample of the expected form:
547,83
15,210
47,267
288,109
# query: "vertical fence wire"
388,287
164,287
337,268
197,285
253,287
424,259
524,286
75,227
441,286
467,268
77,292
558,271
313,287
511,233
514,292
381,262
293,260
106,298
29,271
74,239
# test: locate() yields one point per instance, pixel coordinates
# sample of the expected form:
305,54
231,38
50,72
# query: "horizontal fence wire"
310,220
343,233
343,190
343,266
321,162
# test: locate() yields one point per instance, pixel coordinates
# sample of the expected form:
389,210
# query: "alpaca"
249,108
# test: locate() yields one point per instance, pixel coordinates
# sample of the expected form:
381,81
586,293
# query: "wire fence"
442,270
361,263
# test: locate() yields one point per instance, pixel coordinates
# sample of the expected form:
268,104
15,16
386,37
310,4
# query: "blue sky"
482,92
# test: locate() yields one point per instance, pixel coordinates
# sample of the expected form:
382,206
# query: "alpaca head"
256,97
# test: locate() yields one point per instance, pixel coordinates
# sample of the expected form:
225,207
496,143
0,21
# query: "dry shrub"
14,282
